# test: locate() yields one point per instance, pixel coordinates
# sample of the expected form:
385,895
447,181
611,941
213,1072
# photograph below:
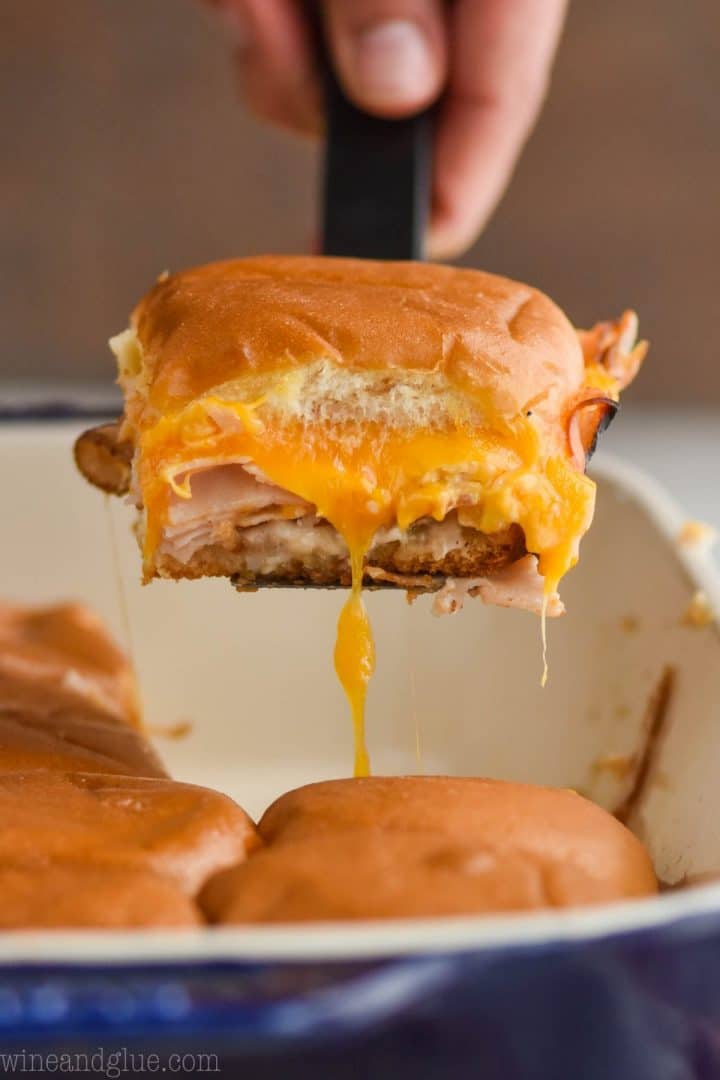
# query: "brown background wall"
124,151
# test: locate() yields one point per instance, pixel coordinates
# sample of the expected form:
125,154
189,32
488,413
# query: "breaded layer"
310,552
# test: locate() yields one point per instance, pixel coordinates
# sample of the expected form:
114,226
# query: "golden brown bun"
79,846
67,695
55,896
63,654
179,831
73,739
497,338
387,847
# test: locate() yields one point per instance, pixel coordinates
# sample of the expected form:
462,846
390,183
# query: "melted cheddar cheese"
355,661
362,476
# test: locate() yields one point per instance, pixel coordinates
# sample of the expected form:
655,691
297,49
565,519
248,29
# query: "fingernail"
390,64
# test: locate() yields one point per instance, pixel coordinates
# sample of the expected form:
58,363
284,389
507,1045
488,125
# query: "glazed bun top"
545,822
394,847
505,344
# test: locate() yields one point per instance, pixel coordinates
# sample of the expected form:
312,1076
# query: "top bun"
497,340
552,828
401,846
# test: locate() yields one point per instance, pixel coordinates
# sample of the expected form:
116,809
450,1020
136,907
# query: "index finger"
501,53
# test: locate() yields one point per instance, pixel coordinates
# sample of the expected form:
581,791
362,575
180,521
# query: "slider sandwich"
94,832
308,421
68,698
404,846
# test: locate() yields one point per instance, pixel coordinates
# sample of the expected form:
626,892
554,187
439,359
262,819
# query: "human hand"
489,59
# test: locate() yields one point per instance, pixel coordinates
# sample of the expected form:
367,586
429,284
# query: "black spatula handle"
376,178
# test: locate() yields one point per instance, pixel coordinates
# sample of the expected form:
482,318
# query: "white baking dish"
253,675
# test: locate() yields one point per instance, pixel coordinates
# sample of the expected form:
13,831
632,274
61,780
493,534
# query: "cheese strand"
355,658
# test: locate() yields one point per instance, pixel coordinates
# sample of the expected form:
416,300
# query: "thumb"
390,55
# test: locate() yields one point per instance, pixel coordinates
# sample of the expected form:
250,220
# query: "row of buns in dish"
96,834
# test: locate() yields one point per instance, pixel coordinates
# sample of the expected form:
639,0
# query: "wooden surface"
125,151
